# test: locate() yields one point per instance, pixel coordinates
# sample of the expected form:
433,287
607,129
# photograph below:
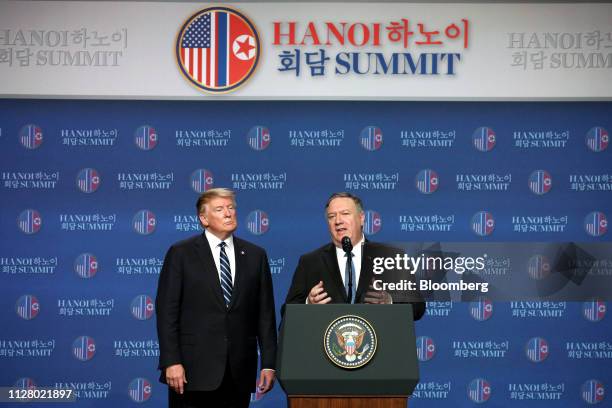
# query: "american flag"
195,49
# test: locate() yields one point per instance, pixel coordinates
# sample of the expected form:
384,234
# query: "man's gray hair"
344,194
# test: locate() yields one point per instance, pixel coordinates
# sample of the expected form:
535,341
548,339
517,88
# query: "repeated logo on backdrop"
84,348
484,139
596,224
145,137
201,180
31,136
538,267
29,221
426,348
142,307
537,349
88,180
371,138
427,181
86,266
144,222
540,182
482,309
479,390
597,139
372,222
140,389
258,222
593,391
483,223
27,307
259,137
594,311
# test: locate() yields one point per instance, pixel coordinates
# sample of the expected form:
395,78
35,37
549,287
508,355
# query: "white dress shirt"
214,242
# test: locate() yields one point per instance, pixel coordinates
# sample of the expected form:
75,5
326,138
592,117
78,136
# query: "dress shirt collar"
214,241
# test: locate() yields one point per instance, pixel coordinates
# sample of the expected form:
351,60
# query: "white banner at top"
305,50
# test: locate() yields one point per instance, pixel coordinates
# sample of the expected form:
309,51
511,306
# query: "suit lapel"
331,262
241,269
210,269
365,276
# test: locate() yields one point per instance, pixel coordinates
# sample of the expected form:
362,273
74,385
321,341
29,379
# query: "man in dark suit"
214,304
329,275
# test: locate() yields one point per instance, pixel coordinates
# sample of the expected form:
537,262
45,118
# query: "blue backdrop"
94,192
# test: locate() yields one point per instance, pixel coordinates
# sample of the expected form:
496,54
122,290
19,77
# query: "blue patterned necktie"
349,271
226,274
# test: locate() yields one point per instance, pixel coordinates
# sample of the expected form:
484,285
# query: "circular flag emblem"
27,307
145,137
31,136
482,309
483,223
371,138
142,307
217,49
594,310
596,224
427,181
483,139
479,390
540,182
258,222
536,349
144,222
29,221
350,342
84,348
426,348
88,180
140,389
86,266
201,180
259,137
597,139
538,267
372,223
593,391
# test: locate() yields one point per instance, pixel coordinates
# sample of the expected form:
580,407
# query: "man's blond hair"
207,196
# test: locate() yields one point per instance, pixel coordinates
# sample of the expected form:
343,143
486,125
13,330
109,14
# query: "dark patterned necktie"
226,274
349,276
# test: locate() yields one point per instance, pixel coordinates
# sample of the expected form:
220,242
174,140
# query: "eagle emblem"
350,342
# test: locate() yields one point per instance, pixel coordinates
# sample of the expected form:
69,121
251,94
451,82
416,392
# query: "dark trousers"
226,396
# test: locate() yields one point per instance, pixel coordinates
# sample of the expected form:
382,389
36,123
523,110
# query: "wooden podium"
311,380
332,401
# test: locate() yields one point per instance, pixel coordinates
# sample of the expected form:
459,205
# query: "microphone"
347,247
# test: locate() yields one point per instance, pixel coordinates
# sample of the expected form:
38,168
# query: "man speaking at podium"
341,271
214,304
